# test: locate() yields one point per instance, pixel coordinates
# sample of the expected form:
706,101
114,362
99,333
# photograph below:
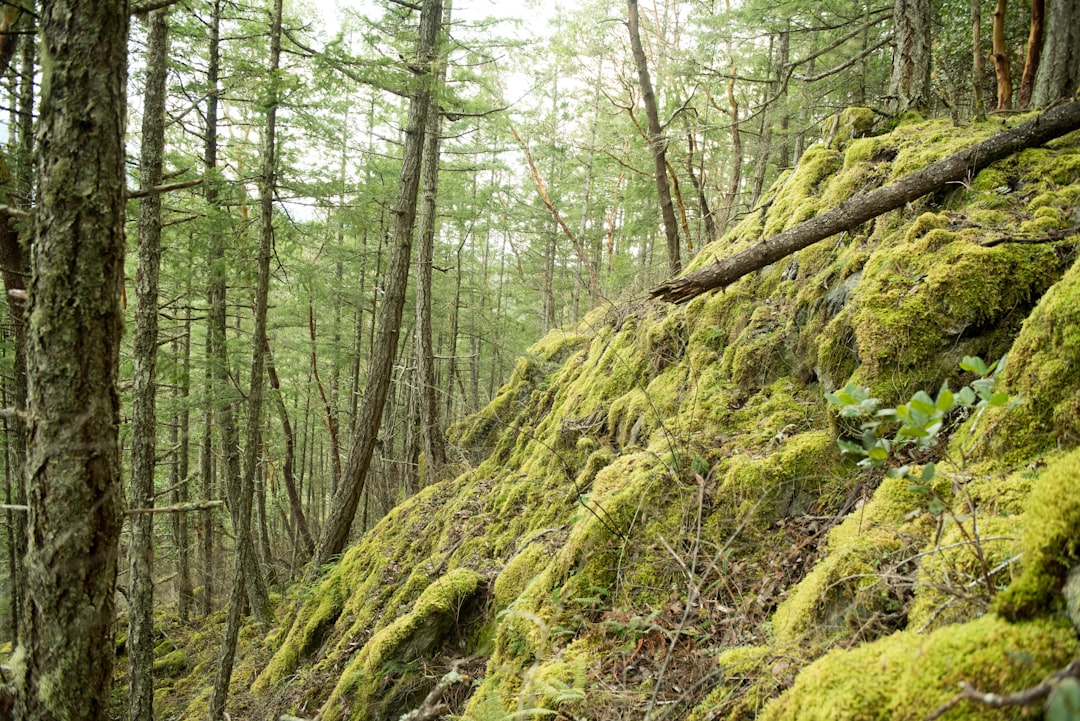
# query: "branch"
158,189
148,6
178,508
857,210
582,256
433,707
11,211
1050,237
1027,697
847,63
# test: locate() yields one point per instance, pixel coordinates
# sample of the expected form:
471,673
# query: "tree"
657,142
144,421
909,84
63,668
1058,76
344,503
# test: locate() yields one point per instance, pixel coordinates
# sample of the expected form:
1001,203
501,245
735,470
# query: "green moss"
1051,540
853,580
1044,370
372,673
905,676
171,664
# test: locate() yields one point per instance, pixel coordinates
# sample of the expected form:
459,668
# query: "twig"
1027,697
433,706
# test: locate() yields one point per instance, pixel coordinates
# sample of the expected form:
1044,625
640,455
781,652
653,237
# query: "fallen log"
860,208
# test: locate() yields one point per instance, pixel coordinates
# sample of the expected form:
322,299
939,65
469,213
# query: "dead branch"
157,190
1027,697
13,212
1049,237
594,281
178,508
433,707
859,209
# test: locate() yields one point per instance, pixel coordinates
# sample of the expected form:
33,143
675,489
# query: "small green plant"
916,428
919,422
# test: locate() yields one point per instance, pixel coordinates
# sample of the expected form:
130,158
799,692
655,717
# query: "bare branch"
168,187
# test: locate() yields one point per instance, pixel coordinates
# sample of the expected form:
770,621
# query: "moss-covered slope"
653,515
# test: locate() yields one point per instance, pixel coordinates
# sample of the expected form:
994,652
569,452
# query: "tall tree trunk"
432,442
214,259
219,359
977,59
246,560
144,391
1058,76
1034,52
657,142
1002,65
909,84
76,494
180,469
343,506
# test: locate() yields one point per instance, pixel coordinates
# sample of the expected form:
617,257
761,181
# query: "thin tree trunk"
246,561
76,496
343,506
432,442
1002,66
977,58
180,469
289,466
657,142
1053,123
1034,52
144,392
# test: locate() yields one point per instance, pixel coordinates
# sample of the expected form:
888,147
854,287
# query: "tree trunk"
657,142
977,58
1002,65
343,506
289,466
432,442
246,560
909,84
861,208
73,467
144,391
1058,76
180,469
1034,52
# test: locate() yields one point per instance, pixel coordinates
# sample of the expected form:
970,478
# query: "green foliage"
918,423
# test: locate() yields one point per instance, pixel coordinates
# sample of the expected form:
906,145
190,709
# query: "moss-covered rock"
905,676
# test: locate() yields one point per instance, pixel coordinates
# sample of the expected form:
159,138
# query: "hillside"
653,517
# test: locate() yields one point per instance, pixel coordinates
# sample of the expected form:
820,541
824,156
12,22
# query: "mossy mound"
654,510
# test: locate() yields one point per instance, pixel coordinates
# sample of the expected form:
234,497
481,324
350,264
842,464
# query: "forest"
662,359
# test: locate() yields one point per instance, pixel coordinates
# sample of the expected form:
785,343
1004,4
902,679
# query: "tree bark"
1058,76
909,84
73,468
432,442
1034,52
144,391
344,503
861,208
977,58
1002,65
657,141
215,254
180,438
